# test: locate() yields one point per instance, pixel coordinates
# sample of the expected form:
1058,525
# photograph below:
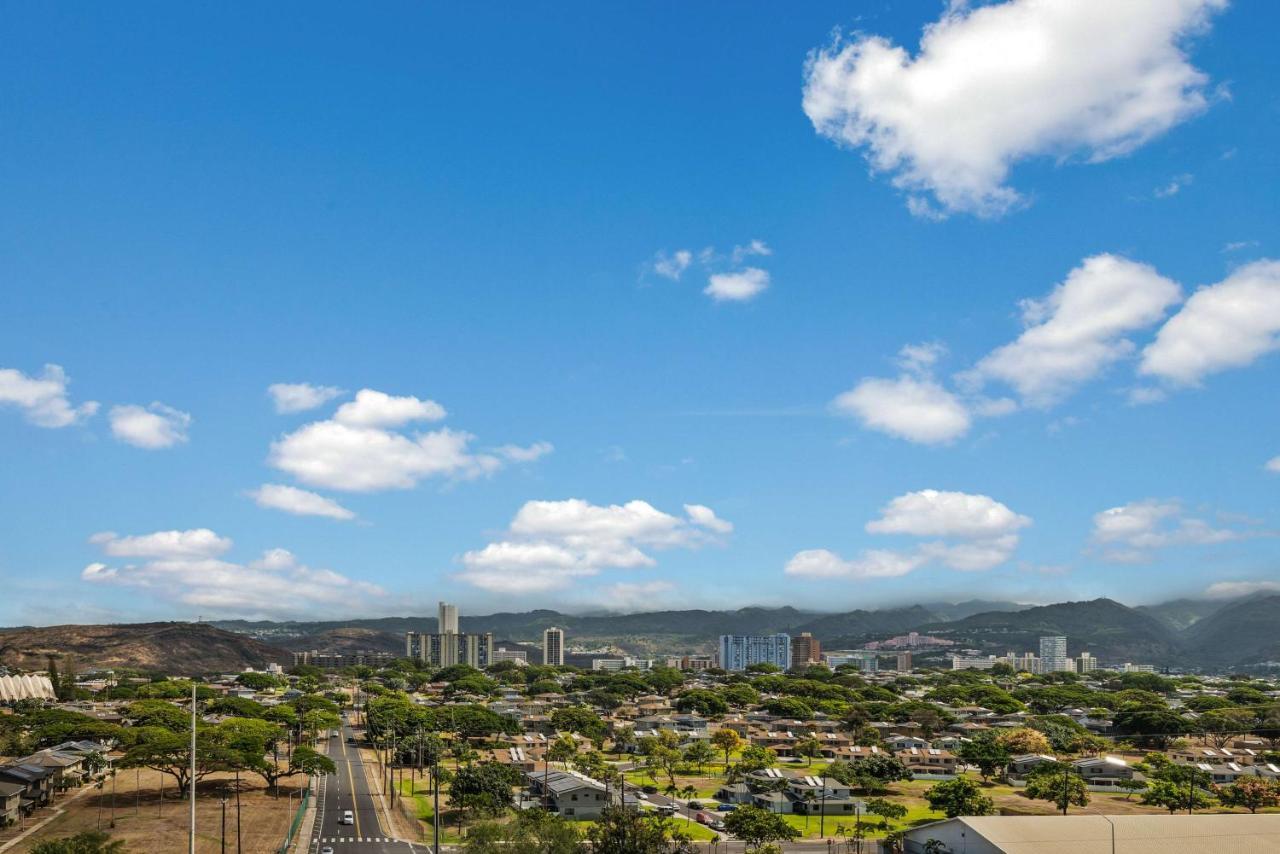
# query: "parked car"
649,790
694,805
717,825
726,807
702,818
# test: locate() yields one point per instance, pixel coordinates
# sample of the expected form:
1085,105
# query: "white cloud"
1174,186
356,451
550,543
1000,83
151,427
1237,245
873,563
1078,330
378,409
932,513
672,266
353,459
299,502
628,596
1226,325
704,516
183,567
755,247
920,359
738,286
915,409
975,533
194,543
1238,589
1273,465
727,280
518,454
43,399
1131,532
299,397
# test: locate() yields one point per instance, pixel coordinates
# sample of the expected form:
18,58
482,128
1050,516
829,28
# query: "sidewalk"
302,843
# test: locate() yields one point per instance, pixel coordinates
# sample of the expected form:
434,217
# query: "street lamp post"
191,782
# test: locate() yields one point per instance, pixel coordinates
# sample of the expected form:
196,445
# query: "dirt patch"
146,823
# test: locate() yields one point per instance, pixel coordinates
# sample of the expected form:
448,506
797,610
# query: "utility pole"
822,814
238,810
192,782
435,810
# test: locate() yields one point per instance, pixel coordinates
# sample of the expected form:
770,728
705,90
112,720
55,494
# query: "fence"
297,821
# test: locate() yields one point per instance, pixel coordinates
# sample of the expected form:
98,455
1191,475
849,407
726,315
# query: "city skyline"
619,325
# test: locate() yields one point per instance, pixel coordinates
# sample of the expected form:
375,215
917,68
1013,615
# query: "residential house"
1103,771
574,796
35,779
929,762
10,802
898,743
1021,766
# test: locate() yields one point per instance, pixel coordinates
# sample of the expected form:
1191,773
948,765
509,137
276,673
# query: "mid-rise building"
1027,662
1053,655
612,665
447,620
504,654
336,660
738,652
697,662
866,661
1086,663
553,646
904,662
962,662
805,650
1136,668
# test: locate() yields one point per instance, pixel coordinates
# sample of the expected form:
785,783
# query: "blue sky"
488,210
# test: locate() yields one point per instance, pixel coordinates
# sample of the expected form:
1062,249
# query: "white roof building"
26,687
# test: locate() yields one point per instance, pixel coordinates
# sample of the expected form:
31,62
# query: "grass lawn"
424,810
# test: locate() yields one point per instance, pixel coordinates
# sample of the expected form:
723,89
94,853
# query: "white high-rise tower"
448,619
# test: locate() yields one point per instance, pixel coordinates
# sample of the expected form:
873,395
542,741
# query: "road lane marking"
355,807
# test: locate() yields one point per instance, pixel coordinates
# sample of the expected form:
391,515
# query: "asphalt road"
348,789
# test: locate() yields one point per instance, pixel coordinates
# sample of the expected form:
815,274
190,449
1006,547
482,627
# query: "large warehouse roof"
26,688
1091,834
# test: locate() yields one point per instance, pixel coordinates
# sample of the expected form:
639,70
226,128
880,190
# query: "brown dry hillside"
178,648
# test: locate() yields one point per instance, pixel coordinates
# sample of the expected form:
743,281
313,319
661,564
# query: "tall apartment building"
738,652
805,650
447,619
1053,655
553,647
446,650
1086,663
904,662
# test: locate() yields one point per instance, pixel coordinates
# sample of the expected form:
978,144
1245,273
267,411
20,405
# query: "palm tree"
810,798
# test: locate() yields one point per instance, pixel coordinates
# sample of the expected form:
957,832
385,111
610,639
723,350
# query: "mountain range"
1192,634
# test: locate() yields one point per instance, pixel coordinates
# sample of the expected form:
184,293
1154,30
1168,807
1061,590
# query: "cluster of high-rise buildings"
448,645
1053,658
738,652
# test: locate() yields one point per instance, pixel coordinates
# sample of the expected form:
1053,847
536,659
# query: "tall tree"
958,797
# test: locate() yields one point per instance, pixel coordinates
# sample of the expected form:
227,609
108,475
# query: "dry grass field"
147,824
